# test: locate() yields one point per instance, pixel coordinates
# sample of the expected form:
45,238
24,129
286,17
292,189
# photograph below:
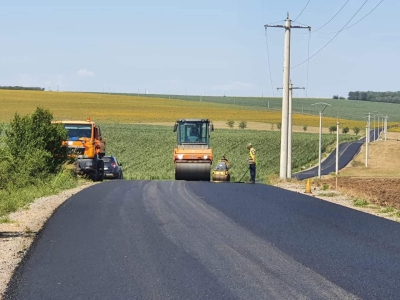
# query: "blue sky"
196,47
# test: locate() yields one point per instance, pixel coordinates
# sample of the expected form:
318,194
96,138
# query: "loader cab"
193,131
78,131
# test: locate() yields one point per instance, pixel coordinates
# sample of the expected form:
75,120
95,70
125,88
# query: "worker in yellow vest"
252,162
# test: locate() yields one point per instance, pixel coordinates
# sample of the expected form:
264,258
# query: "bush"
32,149
345,130
332,128
243,125
230,123
304,128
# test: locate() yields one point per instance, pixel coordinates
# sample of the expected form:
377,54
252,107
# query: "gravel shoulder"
17,235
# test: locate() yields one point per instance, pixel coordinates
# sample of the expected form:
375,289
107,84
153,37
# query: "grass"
387,210
13,199
360,202
328,194
146,151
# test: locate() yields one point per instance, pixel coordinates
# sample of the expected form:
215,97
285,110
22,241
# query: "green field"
344,109
146,151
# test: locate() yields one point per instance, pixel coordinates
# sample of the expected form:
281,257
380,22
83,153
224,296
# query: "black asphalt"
202,240
346,153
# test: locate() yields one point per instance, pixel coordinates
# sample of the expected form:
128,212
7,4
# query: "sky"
209,47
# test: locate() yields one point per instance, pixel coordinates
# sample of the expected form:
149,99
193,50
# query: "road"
202,240
346,153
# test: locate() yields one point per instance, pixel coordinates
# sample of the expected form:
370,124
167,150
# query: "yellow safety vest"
251,156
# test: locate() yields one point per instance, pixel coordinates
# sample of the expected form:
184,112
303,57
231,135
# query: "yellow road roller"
193,156
221,171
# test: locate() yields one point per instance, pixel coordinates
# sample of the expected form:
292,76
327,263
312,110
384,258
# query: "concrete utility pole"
337,147
285,97
323,107
366,144
386,118
289,134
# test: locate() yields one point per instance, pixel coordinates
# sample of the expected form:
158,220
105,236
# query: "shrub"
332,128
304,128
32,148
230,123
243,125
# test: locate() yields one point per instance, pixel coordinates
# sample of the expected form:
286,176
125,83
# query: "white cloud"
85,73
234,86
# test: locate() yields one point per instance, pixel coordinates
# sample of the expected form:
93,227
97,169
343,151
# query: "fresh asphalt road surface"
346,153
203,240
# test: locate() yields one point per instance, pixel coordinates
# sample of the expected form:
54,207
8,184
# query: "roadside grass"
12,199
388,209
360,202
328,194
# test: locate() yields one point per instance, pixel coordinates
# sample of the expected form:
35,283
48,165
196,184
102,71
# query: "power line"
302,10
332,37
332,17
358,20
269,63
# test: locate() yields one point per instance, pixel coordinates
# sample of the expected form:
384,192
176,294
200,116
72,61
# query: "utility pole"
289,134
285,97
324,105
366,144
337,148
386,117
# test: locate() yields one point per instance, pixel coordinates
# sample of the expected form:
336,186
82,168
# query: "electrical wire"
357,21
302,10
269,63
332,37
332,17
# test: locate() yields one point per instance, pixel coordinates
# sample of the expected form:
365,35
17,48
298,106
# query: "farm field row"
343,109
115,108
146,151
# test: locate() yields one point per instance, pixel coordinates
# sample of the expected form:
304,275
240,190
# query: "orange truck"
193,155
86,143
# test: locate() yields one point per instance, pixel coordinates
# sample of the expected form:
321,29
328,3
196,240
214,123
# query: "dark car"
112,169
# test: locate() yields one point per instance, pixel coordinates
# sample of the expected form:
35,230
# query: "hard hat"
249,145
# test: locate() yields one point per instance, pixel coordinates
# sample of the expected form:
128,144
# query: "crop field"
130,109
146,151
344,109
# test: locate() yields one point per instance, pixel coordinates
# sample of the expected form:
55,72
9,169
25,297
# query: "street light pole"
337,148
325,105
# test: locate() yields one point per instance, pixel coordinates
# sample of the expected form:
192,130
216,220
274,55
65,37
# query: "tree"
243,125
335,97
279,125
332,129
230,123
345,130
356,130
304,128
34,146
